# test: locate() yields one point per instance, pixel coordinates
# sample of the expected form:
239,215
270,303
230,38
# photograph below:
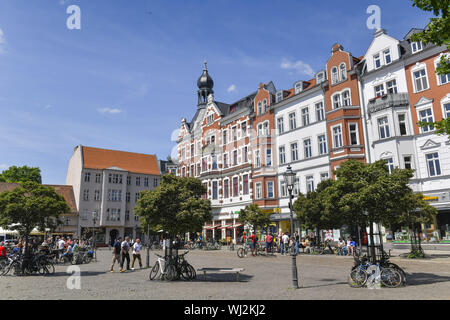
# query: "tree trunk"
413,247
381,238
373,257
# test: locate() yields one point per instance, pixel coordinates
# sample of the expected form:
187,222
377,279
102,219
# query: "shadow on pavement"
221,277
417,279
83,274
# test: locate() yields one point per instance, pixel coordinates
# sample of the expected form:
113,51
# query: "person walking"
116,253
269,239
285,240
297,240
125,247
136,253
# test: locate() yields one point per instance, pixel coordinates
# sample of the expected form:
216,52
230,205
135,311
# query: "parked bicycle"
172,268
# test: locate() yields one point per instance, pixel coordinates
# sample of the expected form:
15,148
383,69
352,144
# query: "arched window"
259,108
336,101
343,71
334,75
265,105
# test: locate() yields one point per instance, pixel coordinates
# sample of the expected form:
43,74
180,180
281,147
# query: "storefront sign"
274,210
429,198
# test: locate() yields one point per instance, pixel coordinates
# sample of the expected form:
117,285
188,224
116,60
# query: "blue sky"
125,80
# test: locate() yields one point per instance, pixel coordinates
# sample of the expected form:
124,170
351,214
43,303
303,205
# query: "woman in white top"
136,253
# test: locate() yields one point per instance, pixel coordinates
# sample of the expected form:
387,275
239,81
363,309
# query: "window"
214,162
183,172
408,162
334,75
234,133
214,190
115,178
260,130
257,159
298,87
387,56
420,80
128,180
283,189
155,182
292,122
280,124
294,152
337,137
245,154
235,158
97,195
426,116
87,176
320,77
244,128
353,132
224,139
183,153
266,128
305,116
320,114
127,197
324,176
443,78
98,178
391,86
447,110
145,182
383,128
402,124
86,195
136,196
235,187
296,186
279,96
307,146
270,193
416,47
282,152
377,61
336,101
259,108
379,90
343,71
127,215
322,144
192,170
265,105
210,119
138,181
390,164
192,150
258,190
84,215
245,184
269,157
226,189
204,164
346,98
199,148
309,184
198,169
434,168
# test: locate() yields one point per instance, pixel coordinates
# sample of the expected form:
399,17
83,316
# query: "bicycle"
165,268
242,252
184,269
363,269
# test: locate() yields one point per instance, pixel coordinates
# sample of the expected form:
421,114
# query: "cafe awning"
212,227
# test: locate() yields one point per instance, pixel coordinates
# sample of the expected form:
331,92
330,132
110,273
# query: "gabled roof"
96,158
411,32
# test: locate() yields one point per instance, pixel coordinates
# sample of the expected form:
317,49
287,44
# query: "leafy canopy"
31,205
175,206
21,174
254,216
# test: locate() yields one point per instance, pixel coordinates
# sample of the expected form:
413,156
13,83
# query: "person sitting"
342,248
68,253
350,246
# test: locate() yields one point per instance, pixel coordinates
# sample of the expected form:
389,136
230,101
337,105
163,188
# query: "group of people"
121,252
346,247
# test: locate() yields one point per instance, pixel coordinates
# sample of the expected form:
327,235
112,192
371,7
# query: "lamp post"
94,219
289,177
147,262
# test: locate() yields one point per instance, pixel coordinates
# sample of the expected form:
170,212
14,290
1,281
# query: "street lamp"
289,178
94,219
147,262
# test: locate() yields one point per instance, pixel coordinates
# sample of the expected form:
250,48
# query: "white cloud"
231,88
109,110
2,41
3,166
299,66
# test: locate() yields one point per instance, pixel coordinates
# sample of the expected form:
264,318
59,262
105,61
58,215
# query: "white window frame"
309,183
434,164
322,174
439,77
333,136
379,93
265,106
384,125
418,44
305,116
339,101
269,162
324,143
298,87
257,158
349,97
307,149
290,120
320,112
282,155
356,132
258,190
259,110
320,77
334,75
388,50
411,161
225,137
375,58
244,153
444,101
279,96
291,150
417,68
394,88
419,110
343,71
280,124
268,188
226,189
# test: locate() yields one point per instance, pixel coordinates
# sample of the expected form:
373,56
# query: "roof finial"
206,68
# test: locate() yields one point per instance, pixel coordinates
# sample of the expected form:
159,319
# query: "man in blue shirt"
116,253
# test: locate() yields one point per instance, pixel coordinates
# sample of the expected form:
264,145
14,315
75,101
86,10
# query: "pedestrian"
269,239
125,247
285,239
349,246
297,240
116,253
136,253
2,250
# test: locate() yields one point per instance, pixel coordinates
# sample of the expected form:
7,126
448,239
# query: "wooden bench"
232,270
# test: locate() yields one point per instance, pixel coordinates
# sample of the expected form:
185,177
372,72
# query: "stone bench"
227,270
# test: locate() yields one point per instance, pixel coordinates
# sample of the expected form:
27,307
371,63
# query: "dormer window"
387,56
298,87
334,75
279,96
210,119
320,77
416,46
377,61
343,71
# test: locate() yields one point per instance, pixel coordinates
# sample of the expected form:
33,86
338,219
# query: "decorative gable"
423,101
430,144
386,154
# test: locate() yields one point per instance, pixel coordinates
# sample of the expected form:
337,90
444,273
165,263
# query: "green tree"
21,174
31,205
368,194
254,216
175,206
438,33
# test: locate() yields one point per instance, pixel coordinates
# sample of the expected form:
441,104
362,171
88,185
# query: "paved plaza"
321,277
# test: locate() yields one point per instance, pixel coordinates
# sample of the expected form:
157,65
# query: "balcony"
390,100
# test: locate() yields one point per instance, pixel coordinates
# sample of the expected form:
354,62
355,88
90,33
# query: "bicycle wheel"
358,278
171,272
193,272
390,277
185,272
87,259
50,267
400,270
3,266
154,272
241,253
